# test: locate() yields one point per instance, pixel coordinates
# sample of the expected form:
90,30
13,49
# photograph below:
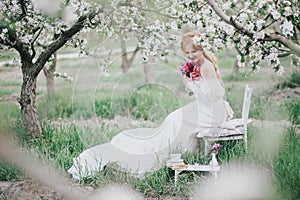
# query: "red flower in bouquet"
189,69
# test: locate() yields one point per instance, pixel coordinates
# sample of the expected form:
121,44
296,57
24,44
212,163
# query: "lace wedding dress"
141,150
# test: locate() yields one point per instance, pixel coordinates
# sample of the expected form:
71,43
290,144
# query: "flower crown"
197,41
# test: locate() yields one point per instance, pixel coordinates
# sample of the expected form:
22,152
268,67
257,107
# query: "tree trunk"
235,68
127,61
147,69
27,102
49,73
125,65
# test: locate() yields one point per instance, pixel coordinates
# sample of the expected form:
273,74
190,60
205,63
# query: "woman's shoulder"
207,64
208,70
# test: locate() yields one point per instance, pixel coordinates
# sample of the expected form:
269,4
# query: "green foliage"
148,102
156,184
11,121
9,114
291,81
262,106
5,92
106,109
6,83
57,106
61,105
287,166
287,163
293,107
59,145
231,150
9,171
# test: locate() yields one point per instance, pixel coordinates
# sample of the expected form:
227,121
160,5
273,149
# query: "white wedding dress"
141,150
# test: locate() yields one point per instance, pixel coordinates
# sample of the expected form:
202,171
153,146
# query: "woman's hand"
187,79
185,82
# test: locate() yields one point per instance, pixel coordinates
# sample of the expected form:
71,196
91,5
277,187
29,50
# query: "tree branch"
23,8
268,37
153,10
133,55
14,42
61,40
284,54
33,41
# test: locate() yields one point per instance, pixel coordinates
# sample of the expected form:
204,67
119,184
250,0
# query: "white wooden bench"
236,133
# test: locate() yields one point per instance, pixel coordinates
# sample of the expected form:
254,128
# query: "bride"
145,150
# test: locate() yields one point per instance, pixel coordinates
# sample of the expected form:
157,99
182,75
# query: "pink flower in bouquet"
189,69
215,148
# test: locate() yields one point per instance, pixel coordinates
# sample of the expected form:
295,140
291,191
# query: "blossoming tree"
24,25
263,30
28,27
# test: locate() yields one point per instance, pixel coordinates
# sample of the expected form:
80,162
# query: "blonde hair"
188,39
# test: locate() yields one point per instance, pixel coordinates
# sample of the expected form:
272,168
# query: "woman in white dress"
145,150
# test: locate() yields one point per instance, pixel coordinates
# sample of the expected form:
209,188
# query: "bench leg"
176,172
205,147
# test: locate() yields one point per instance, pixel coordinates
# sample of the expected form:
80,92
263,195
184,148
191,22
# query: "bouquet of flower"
189,69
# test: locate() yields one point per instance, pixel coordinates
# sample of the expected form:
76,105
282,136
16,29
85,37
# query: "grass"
292,81
94,96
9,171
287,166
59,145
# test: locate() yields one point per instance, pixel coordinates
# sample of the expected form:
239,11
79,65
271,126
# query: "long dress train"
142,150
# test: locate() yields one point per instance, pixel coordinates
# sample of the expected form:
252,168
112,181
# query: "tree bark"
147,69
235,68
49,73
27,102
127,62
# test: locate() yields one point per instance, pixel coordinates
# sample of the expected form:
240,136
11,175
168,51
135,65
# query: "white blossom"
199,24
174,26
16,62
197,40
49,7
229,30
250,26
218,43
243,17
280,71
211,29
106,73
272,58
259,35
275,14
287,28
226,5
69,16
287,11
259,24
256,69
